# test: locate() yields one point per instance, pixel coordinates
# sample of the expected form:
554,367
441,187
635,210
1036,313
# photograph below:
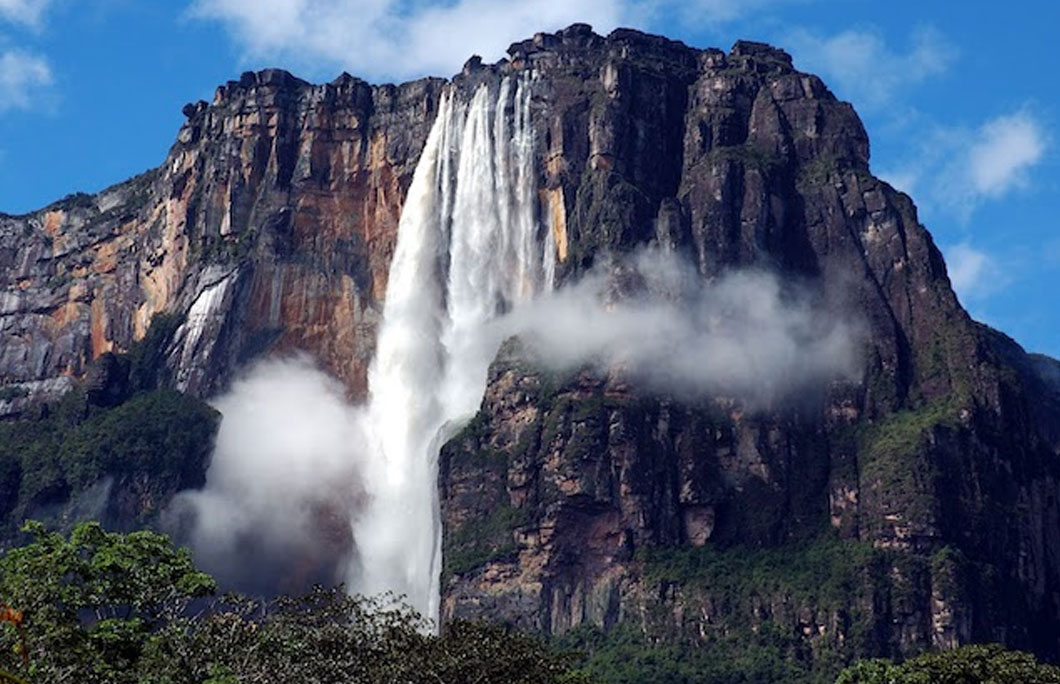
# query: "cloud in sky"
23,77
25,12
395,39
1005,149
862,67
385,38
956,169
974,274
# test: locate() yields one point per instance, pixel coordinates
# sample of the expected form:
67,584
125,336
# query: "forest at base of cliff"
98,606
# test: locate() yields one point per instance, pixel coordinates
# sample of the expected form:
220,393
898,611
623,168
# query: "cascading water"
469,246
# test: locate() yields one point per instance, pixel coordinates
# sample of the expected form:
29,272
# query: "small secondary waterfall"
469,246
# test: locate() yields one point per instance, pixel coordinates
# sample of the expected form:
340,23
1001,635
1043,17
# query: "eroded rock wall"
270,225
940,460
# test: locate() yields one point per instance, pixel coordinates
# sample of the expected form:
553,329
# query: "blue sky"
959,98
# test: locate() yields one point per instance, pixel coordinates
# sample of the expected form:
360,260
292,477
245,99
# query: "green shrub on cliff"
119,425
161,439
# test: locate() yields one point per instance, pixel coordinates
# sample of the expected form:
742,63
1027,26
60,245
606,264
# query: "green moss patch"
482,540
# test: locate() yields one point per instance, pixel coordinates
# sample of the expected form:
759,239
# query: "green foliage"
91,600
481,541
132,431
827,571
949,570
103,607
902,434
163,438
986,664
626,655
163,434
841,583
482,652
471,446
750,156
892,455
329,637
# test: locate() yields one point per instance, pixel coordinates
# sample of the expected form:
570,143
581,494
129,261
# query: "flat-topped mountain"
915,506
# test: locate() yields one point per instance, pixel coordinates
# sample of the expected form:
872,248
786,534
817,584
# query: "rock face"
270,225
582,500
919,504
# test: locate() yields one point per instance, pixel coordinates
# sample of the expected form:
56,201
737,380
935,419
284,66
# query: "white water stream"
468,247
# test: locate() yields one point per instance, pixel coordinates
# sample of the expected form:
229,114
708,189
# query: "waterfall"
468,247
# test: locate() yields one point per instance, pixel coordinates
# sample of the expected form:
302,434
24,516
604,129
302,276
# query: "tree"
91,601
327,636
116,608
980,664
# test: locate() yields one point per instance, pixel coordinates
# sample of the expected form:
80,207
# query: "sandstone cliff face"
942,460
269,226
583,499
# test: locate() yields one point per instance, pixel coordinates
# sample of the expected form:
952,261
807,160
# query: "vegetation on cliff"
626,656
116,447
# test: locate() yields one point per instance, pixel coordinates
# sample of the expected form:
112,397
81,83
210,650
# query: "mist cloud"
283,480
744,335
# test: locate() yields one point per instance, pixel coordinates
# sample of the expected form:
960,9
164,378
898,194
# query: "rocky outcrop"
269,226
916,506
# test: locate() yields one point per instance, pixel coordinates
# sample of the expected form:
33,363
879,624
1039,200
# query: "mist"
283,482
746,334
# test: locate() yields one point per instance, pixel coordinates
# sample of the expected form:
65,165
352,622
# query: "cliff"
269,226
914,507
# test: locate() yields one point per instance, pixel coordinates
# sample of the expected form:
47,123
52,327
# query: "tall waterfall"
469,245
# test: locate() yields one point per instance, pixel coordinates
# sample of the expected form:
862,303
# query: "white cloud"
1004,150
973,273
951,168
385,38
955,169
398,39
748,334
26,12
862,67
23,76
969,167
